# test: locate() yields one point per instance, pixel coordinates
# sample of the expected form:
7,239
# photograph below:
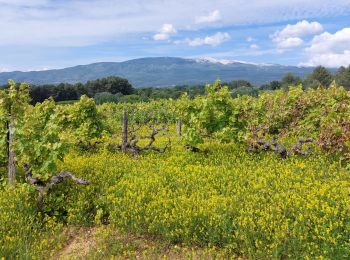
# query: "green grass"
222,202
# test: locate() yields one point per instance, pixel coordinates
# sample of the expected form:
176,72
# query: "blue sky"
47,34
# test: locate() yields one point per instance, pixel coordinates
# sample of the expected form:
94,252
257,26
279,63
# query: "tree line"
67,91
117,89
320,76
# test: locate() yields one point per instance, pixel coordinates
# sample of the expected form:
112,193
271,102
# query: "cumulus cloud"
300,29
165,33
331,60
254,47
213,40
327,42
331,50
290,43
291,35
212,17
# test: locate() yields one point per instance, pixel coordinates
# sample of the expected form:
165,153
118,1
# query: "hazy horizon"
208,59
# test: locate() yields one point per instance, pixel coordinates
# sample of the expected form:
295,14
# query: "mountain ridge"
160,72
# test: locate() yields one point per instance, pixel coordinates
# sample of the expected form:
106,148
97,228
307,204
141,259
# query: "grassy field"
222,202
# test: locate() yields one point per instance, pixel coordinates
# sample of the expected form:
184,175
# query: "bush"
105,97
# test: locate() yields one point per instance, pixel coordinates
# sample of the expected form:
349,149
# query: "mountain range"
161,72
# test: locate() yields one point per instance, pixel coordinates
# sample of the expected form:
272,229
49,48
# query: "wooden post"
11,153
179,127
124,131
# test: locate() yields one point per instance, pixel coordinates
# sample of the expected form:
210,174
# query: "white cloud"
80,23
327,42
331,50
212,40
250,39
331,60
254,47
290,43
290,36
165,33
212,17
300,29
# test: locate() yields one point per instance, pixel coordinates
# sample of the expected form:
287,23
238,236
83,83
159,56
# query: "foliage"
16,98
111,84
3,131
38,141
13,103
238,84
147,94
297,113
245,91
322,75
290,79
150,113
342,77
273,85
283,113
105,97
206,116
80,122
44,131
66,91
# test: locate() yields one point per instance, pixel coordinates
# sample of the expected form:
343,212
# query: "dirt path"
87,243
78,245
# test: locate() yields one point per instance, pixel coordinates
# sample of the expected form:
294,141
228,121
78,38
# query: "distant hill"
160,72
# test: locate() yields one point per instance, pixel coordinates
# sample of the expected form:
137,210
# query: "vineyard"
210,176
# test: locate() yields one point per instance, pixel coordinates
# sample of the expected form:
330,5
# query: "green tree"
273,85
238,84
322,76
342,77
244,91
111,84
105,97
290,79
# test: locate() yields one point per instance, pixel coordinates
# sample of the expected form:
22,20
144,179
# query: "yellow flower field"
253,205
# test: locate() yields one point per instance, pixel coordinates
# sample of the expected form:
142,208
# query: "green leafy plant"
39,144
13,104
80,122
213,115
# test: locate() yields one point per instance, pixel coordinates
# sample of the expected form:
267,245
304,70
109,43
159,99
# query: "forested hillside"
158,72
